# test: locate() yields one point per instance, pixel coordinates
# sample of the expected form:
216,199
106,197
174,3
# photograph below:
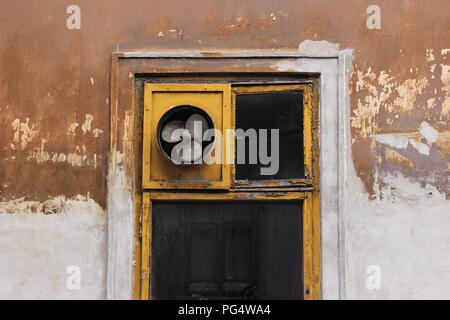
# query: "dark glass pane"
273,110
227,250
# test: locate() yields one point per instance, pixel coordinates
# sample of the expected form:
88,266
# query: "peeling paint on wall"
50,144
395,157
401,141
97,132
78,158
322,46
72,128
445,78
86,126
408,115
24,132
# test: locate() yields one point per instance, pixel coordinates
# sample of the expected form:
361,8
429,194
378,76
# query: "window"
286,108
227,250
255,236
282,111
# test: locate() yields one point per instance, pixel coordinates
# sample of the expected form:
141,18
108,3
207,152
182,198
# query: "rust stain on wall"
52,78
395,157
405,122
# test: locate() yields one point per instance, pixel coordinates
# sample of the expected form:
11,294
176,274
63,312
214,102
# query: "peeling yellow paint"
415,138
96,132
443,142
78,158
395,157
75,160
24,132
379,160
62,157
445,78
53,205
126,140
384,93
72,128
408,92
364,116
86,127
39,154
119,157
429,55
432,69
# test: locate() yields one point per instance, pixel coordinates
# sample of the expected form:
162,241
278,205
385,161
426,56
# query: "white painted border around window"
334,69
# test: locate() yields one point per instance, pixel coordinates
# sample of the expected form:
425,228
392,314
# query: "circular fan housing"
184,117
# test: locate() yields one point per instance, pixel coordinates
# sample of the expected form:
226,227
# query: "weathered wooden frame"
311,262
124,200
311,210
309,151
222,125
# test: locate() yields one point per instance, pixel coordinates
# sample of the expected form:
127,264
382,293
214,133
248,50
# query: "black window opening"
273,110
239,250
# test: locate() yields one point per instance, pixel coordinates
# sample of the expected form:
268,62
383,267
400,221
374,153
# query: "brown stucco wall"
54,82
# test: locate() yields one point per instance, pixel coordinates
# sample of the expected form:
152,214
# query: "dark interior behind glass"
273,110
227,250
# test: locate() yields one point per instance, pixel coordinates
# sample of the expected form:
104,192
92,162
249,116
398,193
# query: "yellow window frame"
307,90
311,238
307,189
221,118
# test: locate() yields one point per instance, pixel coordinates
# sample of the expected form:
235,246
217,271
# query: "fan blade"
169,128
197,120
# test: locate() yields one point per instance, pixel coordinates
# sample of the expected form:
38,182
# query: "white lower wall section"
37,248
407,235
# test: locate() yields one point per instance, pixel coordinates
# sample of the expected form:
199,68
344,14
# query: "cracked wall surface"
55,127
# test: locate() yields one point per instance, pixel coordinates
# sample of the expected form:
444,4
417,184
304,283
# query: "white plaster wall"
37,248
121,236
406,234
